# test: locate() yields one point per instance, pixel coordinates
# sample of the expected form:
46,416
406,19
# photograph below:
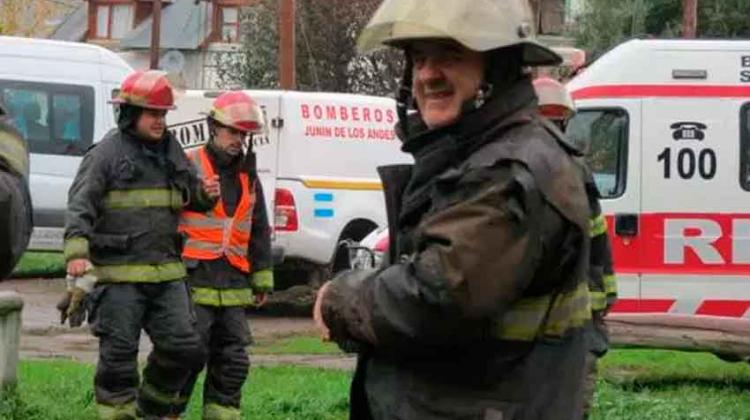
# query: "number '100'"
689,162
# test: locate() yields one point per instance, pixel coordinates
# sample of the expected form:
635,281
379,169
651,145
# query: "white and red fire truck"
667,125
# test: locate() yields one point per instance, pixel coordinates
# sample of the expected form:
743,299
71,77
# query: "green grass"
63,391
656,385
634,385
295,345
40,264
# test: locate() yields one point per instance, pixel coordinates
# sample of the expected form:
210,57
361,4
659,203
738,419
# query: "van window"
603,135
745,147
55,119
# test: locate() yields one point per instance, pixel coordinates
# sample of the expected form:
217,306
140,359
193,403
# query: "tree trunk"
287,47
689,19
729,337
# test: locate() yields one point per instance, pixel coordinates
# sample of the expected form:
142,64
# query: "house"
553,19
192,32
195,32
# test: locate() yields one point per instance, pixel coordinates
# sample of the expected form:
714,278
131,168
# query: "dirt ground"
44,338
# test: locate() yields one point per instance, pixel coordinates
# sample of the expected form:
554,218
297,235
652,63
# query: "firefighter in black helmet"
556,104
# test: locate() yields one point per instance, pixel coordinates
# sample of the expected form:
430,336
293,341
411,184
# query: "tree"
27,18
607,23
10,16
724,18
327,59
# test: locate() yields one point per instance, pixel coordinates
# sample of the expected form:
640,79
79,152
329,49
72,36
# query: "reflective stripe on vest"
525,320
74,248
143,197
213,234
222,297
151,392
610,284
598,226
598,301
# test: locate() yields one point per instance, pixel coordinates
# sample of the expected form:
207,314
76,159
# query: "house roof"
184,26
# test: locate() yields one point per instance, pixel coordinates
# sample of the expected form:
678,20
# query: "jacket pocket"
93,301
127,170
181,183
110,242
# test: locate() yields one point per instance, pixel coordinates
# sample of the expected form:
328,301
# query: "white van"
667,124
56,93
317,165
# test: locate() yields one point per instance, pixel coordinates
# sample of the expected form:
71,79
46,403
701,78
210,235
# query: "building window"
230,24
114,20
603,135
102,21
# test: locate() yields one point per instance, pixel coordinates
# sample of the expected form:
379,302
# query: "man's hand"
212,187
78,267
260,299
325,334
262,284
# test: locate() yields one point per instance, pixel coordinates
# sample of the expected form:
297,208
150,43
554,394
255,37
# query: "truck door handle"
626,225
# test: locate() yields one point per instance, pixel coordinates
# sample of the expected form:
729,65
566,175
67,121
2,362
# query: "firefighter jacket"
487,287
15,201
124,207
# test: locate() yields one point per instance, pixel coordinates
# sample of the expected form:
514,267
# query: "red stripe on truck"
731,308
685,244
662,91
643,305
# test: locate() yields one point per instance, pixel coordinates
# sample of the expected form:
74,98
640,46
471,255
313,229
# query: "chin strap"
404,96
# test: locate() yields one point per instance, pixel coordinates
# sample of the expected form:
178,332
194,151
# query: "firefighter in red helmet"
556,103
123,254
228,252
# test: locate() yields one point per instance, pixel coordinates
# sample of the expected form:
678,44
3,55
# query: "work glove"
74,305
262,284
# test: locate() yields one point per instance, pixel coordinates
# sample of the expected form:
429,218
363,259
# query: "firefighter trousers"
598,340
225,335
165,312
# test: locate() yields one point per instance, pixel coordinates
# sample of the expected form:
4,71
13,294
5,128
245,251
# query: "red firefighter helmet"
555,101
238,110
146,89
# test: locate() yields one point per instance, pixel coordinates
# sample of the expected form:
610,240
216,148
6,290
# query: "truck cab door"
609,131
693,202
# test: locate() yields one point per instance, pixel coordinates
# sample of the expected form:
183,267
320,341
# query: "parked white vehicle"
370,251
667,124
56,93
317,165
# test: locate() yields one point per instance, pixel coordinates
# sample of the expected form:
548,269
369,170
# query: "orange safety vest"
213,235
